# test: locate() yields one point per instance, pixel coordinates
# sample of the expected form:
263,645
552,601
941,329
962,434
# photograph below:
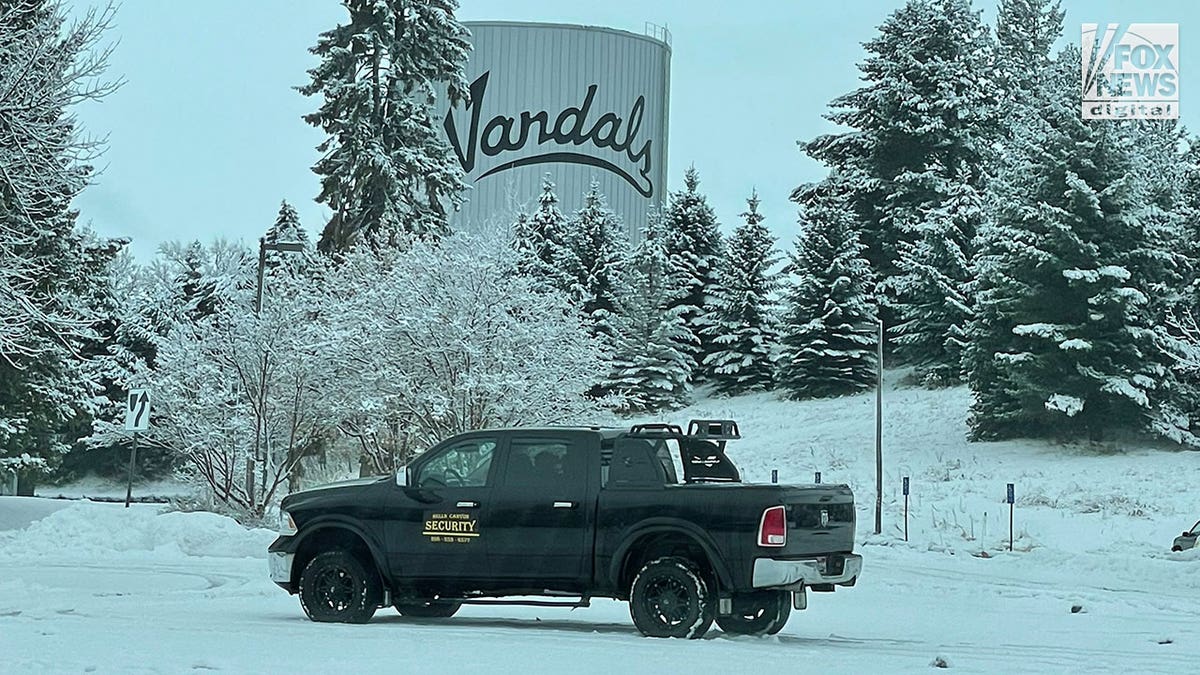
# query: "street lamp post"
263,247
879,433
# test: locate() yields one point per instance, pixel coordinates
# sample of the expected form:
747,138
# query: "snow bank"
105,530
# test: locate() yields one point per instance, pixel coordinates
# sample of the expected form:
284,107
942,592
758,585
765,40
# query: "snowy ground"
142,591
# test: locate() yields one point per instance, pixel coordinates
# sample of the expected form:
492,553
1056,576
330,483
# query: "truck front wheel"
761,613
336,586
670,598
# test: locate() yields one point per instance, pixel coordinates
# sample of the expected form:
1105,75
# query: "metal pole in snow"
1010,499
132,461
906,508
774,475
879,435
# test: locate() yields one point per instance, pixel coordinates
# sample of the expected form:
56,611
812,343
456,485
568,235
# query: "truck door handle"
564,505
467,505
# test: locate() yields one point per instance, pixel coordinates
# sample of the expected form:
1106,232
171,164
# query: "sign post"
906,508
137,418
1010,500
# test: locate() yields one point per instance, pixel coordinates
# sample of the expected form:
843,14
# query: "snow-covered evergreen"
922,126
829,322
743,322
385,166
286,229
1066,340
1025,34
934,285
540,239
648,340
597,245
53,299
694,238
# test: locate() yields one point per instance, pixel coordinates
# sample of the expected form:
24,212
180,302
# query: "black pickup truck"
569,514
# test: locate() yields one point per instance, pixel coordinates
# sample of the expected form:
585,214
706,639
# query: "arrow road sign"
137,410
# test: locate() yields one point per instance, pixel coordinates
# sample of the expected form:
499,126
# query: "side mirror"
402,476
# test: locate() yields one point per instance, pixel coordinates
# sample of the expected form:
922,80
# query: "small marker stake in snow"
774,475
905,487
817,479
1009,498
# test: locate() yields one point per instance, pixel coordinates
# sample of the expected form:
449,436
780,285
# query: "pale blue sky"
205,138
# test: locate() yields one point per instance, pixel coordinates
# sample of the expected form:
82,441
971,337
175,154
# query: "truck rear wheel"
761,613
670,598
429,609
336,586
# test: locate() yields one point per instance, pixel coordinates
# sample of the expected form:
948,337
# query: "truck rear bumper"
795,574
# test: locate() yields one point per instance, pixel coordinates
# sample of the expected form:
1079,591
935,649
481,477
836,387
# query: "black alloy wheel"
336,586
670,598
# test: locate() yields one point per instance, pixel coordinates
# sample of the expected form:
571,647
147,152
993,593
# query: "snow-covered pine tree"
743,322
829,325
541,241
1065,340
287,229
936,275
50,271
196,291
385,165
521,240
924,122
109,360
1025,35
597,245
646,335
1182,320
694,238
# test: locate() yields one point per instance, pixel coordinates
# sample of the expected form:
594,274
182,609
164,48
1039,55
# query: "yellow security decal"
453,528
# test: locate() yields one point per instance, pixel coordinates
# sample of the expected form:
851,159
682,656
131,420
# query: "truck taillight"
772,531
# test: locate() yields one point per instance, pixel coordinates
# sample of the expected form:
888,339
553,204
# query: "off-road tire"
338,587
670,598
1176,549
429,609
760,613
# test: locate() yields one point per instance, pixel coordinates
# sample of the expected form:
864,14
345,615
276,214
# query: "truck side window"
544,463
464,464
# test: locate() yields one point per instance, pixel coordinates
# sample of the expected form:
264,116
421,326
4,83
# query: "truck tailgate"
820,520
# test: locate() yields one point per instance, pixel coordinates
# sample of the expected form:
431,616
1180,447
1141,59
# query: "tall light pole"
263,247
879,433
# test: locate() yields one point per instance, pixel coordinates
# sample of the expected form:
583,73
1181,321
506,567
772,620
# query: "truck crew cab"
496,516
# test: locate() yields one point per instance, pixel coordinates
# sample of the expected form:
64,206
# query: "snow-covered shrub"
445,337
